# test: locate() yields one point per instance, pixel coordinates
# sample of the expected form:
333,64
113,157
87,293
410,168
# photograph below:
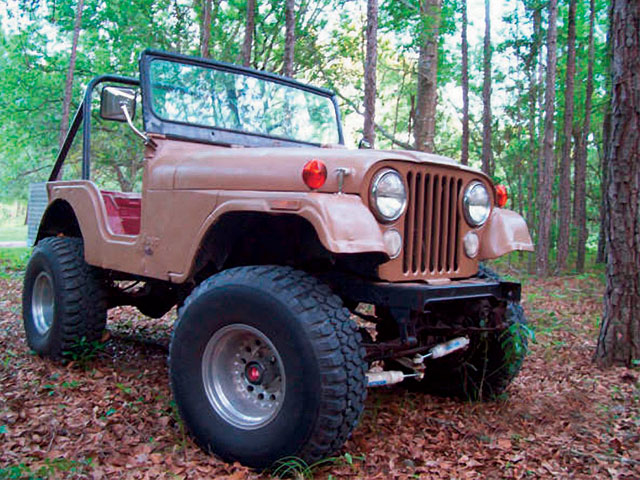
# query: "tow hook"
389,377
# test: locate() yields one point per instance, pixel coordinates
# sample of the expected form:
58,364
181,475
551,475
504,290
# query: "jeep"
303,272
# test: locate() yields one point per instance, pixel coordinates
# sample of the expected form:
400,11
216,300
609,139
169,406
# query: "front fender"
342,222
506,231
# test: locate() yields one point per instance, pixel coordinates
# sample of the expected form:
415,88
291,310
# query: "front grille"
431,226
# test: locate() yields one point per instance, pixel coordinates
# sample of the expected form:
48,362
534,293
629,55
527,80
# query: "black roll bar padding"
83,116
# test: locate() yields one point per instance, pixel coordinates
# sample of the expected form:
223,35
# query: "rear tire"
308,359
486,369
481,372
64,305
491,363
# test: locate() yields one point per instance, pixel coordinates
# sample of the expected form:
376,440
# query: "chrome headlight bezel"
466,203
374,196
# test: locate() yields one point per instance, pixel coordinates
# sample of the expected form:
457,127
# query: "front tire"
265,363
63,301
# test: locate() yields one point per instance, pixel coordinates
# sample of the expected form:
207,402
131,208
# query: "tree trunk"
604,161
68,86
486,92
545,180
533,138
427,93
289,37
580,217
464,157
248,33
619,340
370,72
205,29
564,202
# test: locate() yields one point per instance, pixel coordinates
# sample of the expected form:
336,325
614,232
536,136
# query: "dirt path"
112,416
13,244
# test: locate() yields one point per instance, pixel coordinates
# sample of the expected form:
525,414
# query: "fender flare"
343,224
506,231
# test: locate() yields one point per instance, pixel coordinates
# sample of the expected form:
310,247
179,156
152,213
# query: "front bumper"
416,296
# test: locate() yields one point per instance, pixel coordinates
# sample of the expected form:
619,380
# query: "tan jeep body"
188,187
272,245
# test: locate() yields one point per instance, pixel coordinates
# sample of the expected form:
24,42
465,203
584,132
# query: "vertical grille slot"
431,226
408,227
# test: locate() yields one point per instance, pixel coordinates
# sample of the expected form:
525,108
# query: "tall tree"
619,340
424,129
205,29
487,154
564,203
546,172
580,182
464,157
370,72
68,86
289,37
604,159
532,64
250,26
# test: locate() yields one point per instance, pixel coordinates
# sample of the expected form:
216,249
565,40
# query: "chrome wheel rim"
243,376
42,303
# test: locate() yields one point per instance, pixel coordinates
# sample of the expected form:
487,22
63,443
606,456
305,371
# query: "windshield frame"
153,123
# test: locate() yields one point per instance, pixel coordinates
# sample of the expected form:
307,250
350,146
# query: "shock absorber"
389,377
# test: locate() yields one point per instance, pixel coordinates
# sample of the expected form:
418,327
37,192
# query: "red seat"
123,211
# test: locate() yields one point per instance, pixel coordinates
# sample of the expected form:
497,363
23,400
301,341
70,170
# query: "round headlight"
388,195
477,204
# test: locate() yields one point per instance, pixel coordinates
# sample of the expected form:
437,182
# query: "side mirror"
364,144
113,99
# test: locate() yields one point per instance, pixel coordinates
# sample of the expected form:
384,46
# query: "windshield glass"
235,101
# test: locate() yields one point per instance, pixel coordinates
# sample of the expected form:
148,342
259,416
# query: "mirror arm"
147,140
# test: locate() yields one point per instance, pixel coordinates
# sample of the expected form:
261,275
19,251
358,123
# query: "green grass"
13,233
13,260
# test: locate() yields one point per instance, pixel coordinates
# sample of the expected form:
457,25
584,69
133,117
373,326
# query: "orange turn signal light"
501,195
314,173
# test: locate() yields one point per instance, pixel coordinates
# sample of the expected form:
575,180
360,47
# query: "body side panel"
174,223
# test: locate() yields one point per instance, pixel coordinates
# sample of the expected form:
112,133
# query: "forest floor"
112,416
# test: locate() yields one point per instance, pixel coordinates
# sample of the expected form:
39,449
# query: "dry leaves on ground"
112,416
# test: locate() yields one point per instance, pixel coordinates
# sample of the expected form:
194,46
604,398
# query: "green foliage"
294,467
13,261
515,344
83,352
49,468
329,51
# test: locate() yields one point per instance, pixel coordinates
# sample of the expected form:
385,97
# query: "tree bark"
487,155
580,216
205,29
619,340
564,202
369,134
250,26
606,143
464,157
68,87
427,93
289,37
532,65
545,179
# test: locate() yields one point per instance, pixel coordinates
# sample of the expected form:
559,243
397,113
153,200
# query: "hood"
187,165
